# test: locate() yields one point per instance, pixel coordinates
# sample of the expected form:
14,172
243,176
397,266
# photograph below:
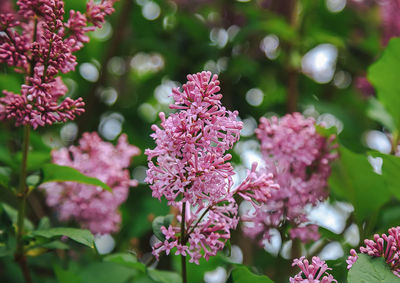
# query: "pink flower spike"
297,159
190,168
93,207
41,59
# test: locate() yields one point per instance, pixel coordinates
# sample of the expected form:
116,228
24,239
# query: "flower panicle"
93,207
41,51
299,159
190,168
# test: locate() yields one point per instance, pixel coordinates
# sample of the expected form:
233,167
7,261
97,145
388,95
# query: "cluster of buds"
314,272
39,43
386,246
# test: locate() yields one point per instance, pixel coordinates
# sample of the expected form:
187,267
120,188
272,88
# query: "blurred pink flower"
299,158
40,44
314,272
93,207
192,170
390,10
6,6
364,86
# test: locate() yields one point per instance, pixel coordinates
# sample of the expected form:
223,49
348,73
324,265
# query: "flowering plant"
39,43
193,173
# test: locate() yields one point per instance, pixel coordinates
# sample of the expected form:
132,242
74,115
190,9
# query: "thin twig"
183,242
22,194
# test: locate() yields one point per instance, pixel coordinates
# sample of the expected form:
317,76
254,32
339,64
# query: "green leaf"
78,235
280,27
6,157
36,159
4,176
390,218
384,76
106,272
33,180
10,83
241,274
326,132
228,248
55,245
5,251
160,221
390,172
57,173
164,276
65,276
127,260
44,223
370,270
13,215
377,112
353,179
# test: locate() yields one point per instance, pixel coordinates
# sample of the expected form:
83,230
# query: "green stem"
197,223
395,140
22,194
296,248
183,242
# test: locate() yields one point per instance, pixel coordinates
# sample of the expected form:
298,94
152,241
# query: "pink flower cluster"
314,272
6,6
40,44
390,10
386,246
193,173
299,158
93,207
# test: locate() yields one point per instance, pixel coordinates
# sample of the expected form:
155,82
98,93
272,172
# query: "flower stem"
296,248
197,223
22,194
183,242
395,141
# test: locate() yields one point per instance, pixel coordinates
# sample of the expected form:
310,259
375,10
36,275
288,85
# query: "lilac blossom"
386,246
389,10
6,6
314,272
364,86
299,158
193,173
39,43
93,207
